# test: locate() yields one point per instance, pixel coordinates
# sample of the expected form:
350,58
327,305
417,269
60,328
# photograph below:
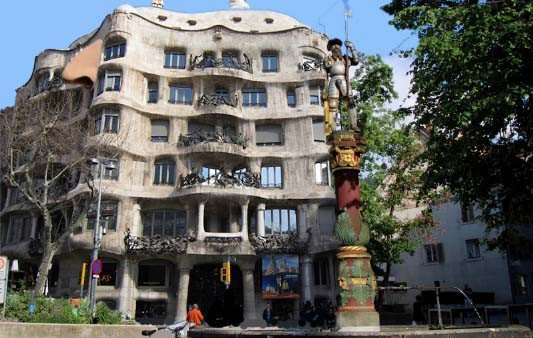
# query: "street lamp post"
97,243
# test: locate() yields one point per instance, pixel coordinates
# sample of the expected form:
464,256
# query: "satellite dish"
238,4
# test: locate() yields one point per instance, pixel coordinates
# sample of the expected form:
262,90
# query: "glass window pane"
276,226
158,223
182,61
169,224
147,224
173,92
279,178
264,176
268,222
157,177
285,221
293,226
167,59
171,173
271,177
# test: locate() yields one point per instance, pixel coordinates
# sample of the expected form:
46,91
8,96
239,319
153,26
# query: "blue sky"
31,26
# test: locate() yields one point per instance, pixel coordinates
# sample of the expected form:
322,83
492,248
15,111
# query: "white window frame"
160,166
180,96
177,60
273,213
100,122
249,100
117,50
273,172
320,167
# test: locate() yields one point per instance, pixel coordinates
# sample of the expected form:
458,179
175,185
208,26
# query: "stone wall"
10,330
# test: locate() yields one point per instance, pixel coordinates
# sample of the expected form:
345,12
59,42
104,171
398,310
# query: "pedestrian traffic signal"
225,273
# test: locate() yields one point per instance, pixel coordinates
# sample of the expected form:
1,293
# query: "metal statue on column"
357,281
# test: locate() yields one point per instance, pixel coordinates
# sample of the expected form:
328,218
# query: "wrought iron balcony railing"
310,65
218,100
275,244
209,61
157,245
221,178
200,136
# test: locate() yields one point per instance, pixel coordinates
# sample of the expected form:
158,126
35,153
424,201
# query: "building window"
160,130
115,51
108,216
229,60
151,311
107,122
165,172
326,220
180,95
164,223
291,98
152,274
210,175
110,171
20,229
153,91
175,60
270,63
280,221
467,212
268,135
110,81
322,173
472,249
271,177
321,271
254,98
314,95
319,133
434,253
520,285
108,276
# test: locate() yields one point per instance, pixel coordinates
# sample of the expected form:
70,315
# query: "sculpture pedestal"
358,290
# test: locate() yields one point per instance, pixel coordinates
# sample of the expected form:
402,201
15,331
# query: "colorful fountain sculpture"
356,278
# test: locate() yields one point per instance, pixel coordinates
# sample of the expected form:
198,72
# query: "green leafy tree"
472,78
391,168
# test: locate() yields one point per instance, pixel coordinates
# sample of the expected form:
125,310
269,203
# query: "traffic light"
225,273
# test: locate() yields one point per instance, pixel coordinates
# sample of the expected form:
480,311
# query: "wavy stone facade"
219,121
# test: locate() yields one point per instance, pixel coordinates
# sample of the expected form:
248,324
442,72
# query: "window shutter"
268,134
440,252
160,128
326,220
318,131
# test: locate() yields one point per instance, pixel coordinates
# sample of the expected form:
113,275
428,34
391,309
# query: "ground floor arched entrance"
221,306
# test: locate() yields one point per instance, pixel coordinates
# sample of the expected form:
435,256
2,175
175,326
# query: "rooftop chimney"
238,4
158,3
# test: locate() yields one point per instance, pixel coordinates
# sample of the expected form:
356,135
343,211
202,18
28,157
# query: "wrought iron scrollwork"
157,245
55,82
222,179
208,61
274,244
35,247
310,65
218,100
200,136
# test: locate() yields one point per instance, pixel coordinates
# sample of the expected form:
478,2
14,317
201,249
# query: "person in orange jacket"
195,316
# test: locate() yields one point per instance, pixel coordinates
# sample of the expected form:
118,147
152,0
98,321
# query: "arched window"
115,49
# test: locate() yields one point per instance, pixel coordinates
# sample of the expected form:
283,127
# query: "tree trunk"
44,267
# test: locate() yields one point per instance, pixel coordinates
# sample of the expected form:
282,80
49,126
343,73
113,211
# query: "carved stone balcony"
157,245
209,61
218,100
221,179
200,136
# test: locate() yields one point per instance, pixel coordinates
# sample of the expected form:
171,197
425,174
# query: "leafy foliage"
391,168
51,310
472,77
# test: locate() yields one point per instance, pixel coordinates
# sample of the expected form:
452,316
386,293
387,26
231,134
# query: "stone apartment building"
222,156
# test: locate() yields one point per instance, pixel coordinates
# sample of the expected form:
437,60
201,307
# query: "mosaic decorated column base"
358,290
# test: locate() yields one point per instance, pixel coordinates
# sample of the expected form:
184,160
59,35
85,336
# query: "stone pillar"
249,310
126,288
182,294
302,220
261,219
136,226
244,214
307,265
233,221
201,228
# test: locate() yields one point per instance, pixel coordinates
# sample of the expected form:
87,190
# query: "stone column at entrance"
126,288
183,294
249,312
261,219
201,227
307,264
135,229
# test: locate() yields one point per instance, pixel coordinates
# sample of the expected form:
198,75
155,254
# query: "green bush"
57,310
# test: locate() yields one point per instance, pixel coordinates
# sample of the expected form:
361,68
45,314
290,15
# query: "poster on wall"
281,277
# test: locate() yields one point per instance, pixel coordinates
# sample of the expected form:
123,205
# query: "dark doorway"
221,306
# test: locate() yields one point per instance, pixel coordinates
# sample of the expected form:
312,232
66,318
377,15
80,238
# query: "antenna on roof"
158,3
238,4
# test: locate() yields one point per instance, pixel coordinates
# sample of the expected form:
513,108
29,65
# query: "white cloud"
402,81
